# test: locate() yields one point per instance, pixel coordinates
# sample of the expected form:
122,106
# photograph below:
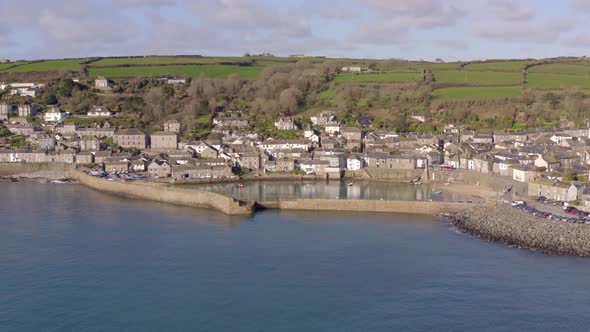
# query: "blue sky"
407,29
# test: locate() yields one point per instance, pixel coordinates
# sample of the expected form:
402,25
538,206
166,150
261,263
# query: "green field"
48,65
379,77
499,66
476,92
442,66
208,71
477,77
556,81
561,69
170,60
160,60
5,65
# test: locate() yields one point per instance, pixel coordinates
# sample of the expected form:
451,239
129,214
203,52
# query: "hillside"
499,94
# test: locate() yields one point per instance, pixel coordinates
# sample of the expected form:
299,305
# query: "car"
542,199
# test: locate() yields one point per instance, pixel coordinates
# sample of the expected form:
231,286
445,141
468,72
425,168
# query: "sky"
453,30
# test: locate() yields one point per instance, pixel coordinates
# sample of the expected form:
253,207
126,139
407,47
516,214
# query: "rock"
504,223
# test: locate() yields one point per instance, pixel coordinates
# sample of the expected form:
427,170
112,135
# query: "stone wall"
166,194
384,174
51,171
411,207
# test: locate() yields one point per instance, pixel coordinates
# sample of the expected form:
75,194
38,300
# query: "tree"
51,99
65,88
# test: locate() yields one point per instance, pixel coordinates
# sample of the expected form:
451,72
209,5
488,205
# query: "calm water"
72,259
273,190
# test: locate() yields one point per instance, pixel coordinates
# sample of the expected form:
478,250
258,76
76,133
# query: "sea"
74,259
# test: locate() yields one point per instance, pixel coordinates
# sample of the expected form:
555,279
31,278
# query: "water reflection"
270,191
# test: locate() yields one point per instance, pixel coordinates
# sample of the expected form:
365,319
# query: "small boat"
437,192
240,185
350,184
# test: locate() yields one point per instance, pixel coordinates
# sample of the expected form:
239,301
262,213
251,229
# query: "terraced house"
164,140
131,138
5,110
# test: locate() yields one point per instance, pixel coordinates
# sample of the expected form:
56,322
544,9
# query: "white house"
54,115
355,69
197,147
353,163
285,123
332,128
102,82
559,138
99,111
314,166
176,81
30,91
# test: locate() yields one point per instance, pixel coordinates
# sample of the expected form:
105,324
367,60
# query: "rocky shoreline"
505,224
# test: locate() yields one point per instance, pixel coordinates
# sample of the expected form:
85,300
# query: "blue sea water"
73,259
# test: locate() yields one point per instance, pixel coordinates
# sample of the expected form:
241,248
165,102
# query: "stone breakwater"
166,194
503,223
362,205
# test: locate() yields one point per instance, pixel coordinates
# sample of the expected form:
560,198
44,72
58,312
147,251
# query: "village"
554,163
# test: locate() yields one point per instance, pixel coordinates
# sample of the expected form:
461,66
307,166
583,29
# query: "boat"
240,185
350,184
437,192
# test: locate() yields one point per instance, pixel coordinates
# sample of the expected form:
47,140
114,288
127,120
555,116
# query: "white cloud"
67,28
512,10
546,31
580,5
419,13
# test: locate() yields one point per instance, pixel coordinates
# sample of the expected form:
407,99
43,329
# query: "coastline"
499,223
505,224
166,192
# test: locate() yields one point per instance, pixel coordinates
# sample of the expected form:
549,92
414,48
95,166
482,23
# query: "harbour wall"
384,174
409,207
166,194
50,171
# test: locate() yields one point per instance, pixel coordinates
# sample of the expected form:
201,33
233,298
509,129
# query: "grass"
379,77
561,69
477,77
151,61
5,65
327,94
362,102
499,66
556,81
441,66
171,60
49,65
208,71
476,92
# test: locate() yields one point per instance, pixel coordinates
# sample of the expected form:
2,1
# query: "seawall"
166,194
503,223
384,174
50,171
410,207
